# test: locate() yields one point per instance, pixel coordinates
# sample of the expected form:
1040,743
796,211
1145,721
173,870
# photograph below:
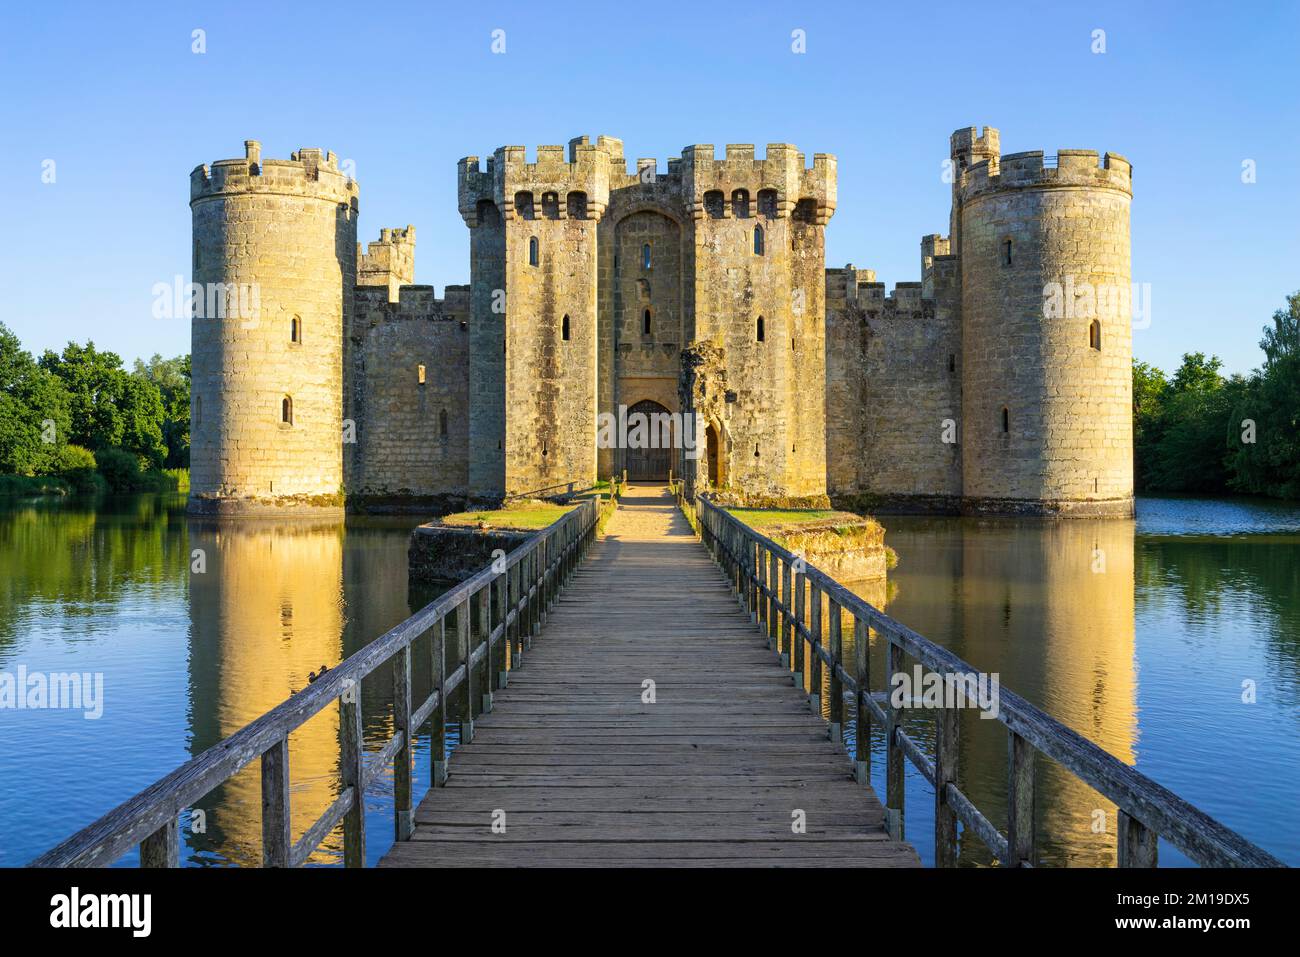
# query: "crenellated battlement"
782,173
1034,170
309,172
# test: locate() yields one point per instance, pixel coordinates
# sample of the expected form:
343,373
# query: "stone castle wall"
409,396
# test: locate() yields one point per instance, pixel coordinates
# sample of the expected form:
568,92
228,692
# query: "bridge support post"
773,606
277,838
797,642
352,764
162,848
1020,802
945,772
835,730
465,652
438,720
502,586
403,816
893,752
485,632
814,651
862,674
785,640
1137,842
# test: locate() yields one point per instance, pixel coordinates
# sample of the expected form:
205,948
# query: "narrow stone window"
713,204
577,203
442,424
755,450
767,203
419,374
952,362
524,205
1006,419
758,240
645,323
564,328
1006,252
532,251
286,411
295,330
760,329
198,410
645,256
551,205
1094,335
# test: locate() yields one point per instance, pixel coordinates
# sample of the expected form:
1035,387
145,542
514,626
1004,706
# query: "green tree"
1149,389
110,407
35,421
172,377
1270,465
1188,454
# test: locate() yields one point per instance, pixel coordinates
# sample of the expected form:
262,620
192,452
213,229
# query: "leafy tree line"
79,415
1201,432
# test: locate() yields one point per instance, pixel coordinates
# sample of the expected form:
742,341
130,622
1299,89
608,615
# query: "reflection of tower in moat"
267,611
1049,607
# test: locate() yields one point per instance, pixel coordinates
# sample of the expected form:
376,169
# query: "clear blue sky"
113,94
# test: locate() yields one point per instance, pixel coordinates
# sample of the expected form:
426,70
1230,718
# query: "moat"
1139,635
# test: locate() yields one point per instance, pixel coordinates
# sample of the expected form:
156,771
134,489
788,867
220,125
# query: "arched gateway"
650,464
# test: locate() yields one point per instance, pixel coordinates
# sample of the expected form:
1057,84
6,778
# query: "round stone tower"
274,267
1046,329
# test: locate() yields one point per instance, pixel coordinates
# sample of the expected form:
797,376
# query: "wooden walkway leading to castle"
571,763
714,772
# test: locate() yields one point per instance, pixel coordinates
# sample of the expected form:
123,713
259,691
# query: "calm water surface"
1138,635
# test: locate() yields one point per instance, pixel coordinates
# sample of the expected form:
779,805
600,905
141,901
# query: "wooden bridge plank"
710,775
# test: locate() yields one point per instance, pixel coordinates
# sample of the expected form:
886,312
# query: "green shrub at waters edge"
26,486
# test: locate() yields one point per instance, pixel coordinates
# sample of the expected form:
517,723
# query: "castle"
702,290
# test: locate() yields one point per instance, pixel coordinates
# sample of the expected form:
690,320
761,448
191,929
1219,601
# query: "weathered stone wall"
390,262
1047,418
761,305
286,230
893,391
412,436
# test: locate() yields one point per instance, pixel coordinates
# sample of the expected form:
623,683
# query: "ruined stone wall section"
1065,443
390,262
286,229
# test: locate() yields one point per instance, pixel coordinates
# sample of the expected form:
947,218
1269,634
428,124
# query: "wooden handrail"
1146,809
512,597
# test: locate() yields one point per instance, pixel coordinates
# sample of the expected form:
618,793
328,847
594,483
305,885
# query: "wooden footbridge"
637,698
650,726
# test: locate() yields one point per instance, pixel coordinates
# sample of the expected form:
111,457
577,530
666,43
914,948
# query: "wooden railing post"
438,720
403,816
162,848
276,836
945,772
814,657
894,789
1138,844
352,765
463,654
835,730
797,642
516,632
750,561
773,609
502,583
785,642
485,633
862,674
1020,802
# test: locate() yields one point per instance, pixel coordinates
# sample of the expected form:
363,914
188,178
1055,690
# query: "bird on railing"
313,676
